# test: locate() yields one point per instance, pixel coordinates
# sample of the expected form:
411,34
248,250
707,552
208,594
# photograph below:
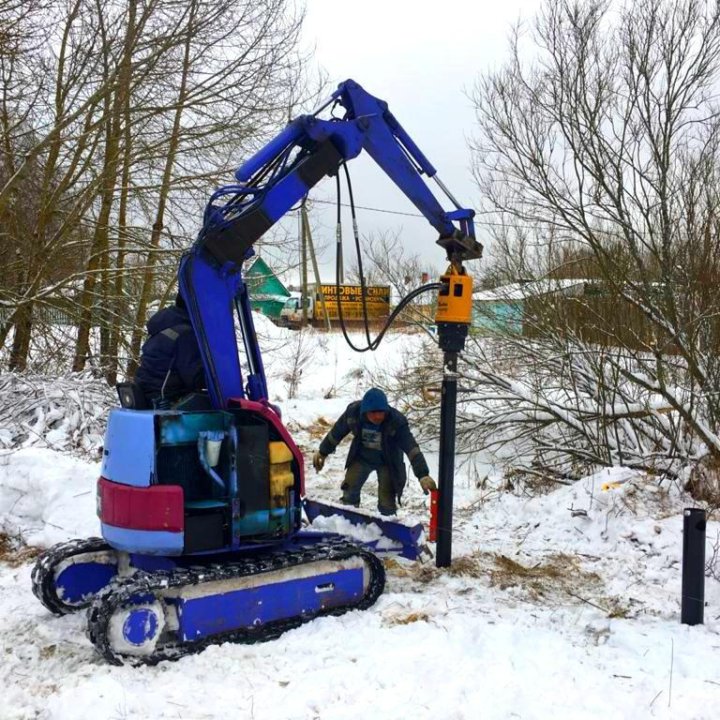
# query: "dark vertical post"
448,405
693,567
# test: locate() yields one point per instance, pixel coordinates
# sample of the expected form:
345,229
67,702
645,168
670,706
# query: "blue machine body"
129,449
267,603
80,580
146,501
141,446
218,475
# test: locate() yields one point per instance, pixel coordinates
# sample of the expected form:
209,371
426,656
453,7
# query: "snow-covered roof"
520,291
268,296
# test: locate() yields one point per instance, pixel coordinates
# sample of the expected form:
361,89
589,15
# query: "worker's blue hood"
374,399
166,318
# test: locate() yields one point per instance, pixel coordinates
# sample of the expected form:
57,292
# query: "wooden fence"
599,319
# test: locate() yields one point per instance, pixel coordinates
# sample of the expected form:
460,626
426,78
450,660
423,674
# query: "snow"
562,605
47,497
370,533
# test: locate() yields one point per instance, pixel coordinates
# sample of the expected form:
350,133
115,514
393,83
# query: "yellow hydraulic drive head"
454,308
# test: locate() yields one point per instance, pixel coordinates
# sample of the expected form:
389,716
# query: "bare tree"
221,106
301,348
606,138
57,181
116,121
387,262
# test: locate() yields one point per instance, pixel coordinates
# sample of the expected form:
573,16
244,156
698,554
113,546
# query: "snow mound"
47,497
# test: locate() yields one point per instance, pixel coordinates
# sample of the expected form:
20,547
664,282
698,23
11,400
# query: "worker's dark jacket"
170,356
396,440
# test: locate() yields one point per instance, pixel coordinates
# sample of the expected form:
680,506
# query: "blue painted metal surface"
211,282
175,427
247,608
140,626
210,292
405,537
150,563
255,523
288,137
149,542
81,580
368,124
129,454
256,382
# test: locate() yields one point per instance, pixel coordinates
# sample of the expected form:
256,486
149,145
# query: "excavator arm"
268,185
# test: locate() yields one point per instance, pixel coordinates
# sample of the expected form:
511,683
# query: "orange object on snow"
433,515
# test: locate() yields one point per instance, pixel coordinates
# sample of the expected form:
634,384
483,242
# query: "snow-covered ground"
560,606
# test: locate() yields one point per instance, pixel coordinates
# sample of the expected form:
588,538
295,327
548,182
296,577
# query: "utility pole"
319,297
303,260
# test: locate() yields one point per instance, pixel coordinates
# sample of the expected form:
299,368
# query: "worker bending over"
380,437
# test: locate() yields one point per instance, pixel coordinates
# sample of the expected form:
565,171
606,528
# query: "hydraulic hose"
372,344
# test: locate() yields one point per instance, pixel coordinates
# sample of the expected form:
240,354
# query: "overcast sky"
421,57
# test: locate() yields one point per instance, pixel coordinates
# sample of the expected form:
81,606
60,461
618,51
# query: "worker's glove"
427,484
318,461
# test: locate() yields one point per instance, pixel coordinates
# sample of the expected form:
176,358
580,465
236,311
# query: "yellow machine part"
454,303
281,476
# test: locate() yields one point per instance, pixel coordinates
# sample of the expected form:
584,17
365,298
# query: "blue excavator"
201,503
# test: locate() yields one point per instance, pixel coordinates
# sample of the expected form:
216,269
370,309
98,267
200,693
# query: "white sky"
421,57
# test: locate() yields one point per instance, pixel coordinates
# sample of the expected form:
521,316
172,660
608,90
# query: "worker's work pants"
355,477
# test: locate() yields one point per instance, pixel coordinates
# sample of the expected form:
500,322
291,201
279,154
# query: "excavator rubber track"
73,558
150,595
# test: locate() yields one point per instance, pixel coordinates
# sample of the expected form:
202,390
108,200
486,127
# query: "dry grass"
14,553
644,496
316,429
464,566
558,573
472,566
704,482
558,577
407,618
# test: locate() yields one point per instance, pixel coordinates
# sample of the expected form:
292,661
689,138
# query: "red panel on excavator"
159,507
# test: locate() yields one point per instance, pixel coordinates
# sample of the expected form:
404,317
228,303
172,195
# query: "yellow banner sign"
377,301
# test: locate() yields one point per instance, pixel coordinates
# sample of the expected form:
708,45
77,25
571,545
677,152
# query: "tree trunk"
21,340
149,275
98,250
122,236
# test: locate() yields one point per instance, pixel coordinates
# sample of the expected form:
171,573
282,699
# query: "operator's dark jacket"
396,440
171,346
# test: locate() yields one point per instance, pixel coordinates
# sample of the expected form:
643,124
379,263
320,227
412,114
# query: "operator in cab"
380,437
170,362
